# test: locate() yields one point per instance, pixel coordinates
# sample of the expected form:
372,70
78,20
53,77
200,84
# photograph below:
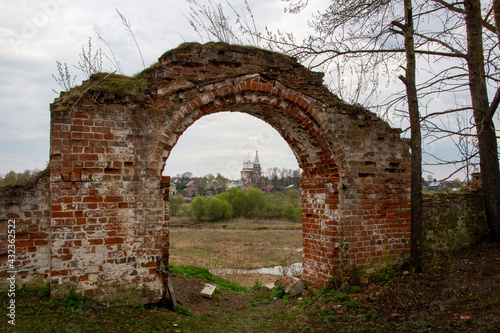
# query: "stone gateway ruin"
98,220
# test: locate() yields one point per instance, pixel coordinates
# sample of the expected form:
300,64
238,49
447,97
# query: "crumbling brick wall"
27,207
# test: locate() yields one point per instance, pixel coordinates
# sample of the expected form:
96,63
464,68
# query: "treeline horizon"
234,203
278,177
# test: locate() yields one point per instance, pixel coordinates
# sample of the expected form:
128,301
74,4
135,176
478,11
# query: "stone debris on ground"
293,286
268,285
208,290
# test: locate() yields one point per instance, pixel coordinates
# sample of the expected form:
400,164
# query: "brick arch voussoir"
304,109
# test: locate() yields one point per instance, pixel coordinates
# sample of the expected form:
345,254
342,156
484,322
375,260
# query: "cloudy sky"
36,34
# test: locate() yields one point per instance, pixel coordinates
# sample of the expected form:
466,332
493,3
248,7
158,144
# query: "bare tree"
416,255
356,31
483,115
365,34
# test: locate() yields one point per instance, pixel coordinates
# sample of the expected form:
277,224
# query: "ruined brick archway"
111,137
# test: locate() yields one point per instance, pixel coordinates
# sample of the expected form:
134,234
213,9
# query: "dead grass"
239,244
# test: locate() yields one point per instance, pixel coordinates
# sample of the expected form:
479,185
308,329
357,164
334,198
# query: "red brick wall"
28,208
107,210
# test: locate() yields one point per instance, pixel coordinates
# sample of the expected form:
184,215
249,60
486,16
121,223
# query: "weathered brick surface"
111,137
109,229
29,207
453,220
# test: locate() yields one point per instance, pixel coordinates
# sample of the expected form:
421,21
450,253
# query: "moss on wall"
453,221
100,84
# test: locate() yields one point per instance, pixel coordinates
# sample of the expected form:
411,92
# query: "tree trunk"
496,12
415,142
416,253
486,136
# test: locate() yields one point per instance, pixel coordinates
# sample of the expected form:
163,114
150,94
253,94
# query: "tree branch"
446,45
402,78
452,7
436,114
399,25
493,106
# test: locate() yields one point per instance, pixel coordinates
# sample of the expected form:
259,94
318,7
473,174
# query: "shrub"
175,204
228,195
228,210
218,209
199,207
278,292
275,205
292,213
240,204
294,197
185,210
256,203
288,212
297,214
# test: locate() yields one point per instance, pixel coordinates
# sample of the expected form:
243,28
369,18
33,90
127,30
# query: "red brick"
113,240
113,198
93,198
62,214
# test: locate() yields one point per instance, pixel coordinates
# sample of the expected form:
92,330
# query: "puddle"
293,269
296,249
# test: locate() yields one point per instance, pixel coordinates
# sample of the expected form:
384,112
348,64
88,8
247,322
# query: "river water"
293,269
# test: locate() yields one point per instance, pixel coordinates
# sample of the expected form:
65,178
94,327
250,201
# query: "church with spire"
251,175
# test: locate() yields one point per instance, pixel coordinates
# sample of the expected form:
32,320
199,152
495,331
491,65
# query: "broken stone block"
296,287
293,286
269,285
208,290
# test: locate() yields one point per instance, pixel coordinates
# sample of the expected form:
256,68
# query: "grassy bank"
239,244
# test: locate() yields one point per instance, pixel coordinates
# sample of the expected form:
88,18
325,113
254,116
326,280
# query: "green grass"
36,312
205,275
328,310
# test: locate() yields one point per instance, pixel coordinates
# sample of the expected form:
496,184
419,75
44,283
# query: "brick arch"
288,111
291,113
110,138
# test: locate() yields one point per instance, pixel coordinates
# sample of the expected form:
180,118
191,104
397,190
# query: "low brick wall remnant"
27,207
453,220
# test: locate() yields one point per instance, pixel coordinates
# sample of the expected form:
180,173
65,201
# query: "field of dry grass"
238,244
